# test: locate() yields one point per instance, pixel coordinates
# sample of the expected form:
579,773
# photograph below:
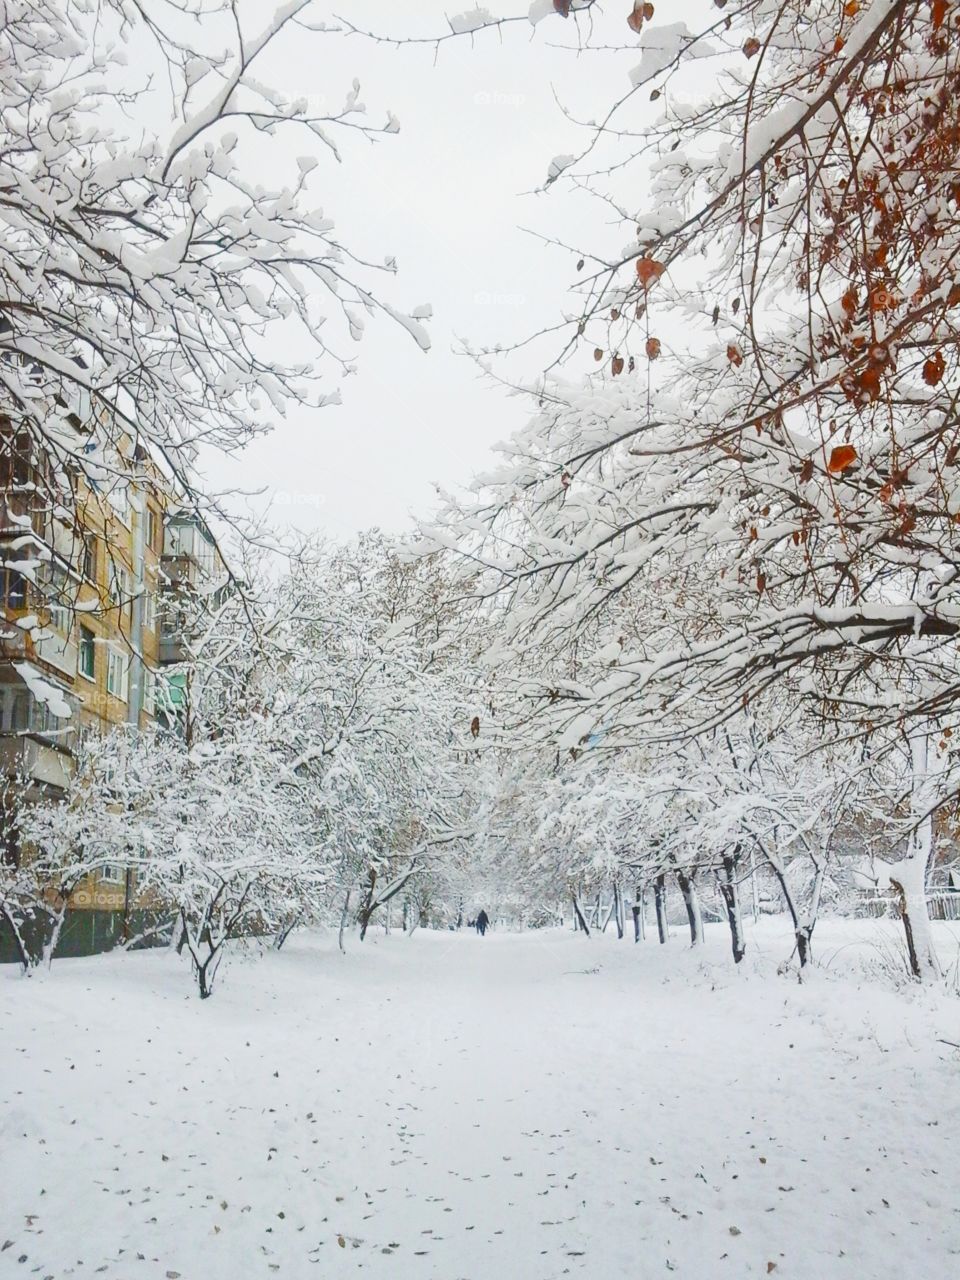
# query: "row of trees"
320,763
736,543
741,822
159,287
714,580
315,765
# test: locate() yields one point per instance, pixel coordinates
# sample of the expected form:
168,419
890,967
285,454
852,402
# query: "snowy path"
448,1108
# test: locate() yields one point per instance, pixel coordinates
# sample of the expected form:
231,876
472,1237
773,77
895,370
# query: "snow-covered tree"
36,883
211,832
765,456
317,679
146,264
378,728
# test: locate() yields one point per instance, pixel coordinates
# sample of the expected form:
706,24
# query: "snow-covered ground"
520,1107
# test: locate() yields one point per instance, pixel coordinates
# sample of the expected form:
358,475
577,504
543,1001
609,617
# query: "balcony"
55,647
15,642
57,650
20,513
35,745
23,713
36,760
181,571
173,648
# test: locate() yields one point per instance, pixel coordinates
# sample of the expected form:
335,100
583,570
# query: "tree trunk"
692,903
578,916
50,946
204,970
344,916
618,907
610,914
25,959
804,930
178,939
366,911
910,885
731,900
754,885
639,914
206,988
127,893
801,937
911,877
284,933
660,903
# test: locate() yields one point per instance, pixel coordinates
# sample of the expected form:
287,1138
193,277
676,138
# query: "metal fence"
942,904
89,933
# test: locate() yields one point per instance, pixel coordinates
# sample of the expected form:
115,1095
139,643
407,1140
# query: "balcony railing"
20,513
36,759
55,648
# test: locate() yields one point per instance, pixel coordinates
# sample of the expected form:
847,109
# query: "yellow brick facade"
85,619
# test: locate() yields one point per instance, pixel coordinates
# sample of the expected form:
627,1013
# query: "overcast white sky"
479,126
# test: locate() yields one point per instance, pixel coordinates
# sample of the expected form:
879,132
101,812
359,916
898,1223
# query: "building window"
40,719
117,674
21,713
150,611
121,588
150,692
89,565
53,589
119,499
180,540
14,587
204,553
112,873
14,709
87,654
16,458
60,620
154,530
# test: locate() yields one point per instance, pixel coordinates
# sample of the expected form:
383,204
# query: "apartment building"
88,554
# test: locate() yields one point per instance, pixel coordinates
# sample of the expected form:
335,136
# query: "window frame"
121,503
61,620
150,691
14,709
117,659
10,599
89,558
87,641
121,587
154,530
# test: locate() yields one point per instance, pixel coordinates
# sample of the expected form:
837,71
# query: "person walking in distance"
482,921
